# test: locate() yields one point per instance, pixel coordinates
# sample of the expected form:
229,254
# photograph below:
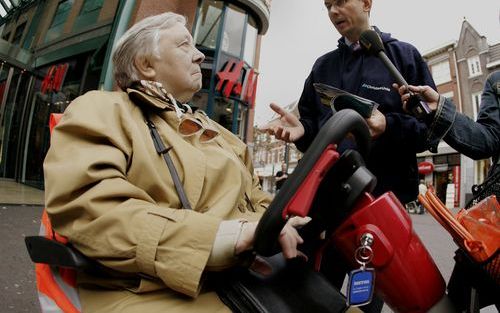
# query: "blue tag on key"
360,286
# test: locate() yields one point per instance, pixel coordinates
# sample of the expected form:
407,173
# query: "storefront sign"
54,79
425,168
229,82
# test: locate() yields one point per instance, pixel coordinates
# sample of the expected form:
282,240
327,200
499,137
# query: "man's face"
350,17
178,65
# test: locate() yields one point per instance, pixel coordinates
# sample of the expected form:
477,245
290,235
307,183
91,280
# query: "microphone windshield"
371,42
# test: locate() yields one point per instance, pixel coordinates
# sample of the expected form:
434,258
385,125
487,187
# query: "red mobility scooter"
370,232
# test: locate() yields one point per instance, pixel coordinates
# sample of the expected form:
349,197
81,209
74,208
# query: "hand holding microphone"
429,95
371,42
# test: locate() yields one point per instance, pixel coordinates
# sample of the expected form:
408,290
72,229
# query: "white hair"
142,39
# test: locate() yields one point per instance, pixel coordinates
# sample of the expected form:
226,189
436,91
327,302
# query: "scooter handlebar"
334,131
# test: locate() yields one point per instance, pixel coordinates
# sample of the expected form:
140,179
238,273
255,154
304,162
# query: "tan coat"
112,196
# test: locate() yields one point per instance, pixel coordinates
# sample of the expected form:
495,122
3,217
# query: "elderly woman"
112,195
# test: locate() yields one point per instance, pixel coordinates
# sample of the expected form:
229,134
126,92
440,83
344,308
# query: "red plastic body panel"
301,201
406,276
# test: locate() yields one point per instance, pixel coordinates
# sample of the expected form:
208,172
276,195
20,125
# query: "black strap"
162,150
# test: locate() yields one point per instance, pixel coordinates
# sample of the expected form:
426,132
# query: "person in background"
397,136
422,189
478,139
430,187
281,176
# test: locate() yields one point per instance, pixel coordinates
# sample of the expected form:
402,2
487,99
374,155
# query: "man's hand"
287,128
376,123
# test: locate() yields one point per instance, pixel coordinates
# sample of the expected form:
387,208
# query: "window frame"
472,62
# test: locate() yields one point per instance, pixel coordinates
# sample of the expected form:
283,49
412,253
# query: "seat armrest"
47,251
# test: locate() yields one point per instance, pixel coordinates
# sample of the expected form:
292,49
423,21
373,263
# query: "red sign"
54,78
229,81
425,168
456,181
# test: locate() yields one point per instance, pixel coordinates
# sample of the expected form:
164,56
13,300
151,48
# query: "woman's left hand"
289,237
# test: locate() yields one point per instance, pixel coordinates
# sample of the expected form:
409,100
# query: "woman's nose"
198,56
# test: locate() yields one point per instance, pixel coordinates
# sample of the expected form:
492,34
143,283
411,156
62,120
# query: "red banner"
230,81
54,78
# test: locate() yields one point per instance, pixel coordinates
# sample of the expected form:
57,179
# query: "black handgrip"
335,129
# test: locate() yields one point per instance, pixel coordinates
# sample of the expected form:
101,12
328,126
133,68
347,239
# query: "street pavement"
17,277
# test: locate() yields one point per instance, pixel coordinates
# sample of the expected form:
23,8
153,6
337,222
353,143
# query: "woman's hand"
289,237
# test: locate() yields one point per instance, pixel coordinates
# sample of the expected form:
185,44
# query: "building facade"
52,51
460,69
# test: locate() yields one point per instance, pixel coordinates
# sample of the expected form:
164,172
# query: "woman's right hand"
289,238
428,94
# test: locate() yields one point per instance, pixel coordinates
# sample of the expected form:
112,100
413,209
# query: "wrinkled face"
178,65
350,17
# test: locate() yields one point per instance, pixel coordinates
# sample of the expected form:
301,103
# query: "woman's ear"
144,67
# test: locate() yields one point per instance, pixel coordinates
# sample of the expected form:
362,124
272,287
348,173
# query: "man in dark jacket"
397,136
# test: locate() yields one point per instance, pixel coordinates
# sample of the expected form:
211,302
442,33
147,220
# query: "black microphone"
371,42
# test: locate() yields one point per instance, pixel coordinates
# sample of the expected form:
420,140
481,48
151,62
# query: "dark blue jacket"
393,156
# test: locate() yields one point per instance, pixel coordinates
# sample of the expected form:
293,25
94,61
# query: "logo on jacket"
375,87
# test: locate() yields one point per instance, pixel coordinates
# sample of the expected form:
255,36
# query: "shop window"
10,134
474,66
440,159
476,101
232,36
453,159
441,72
207,25
200,101
223,112
60,17
242,121
206,72
18,34
250,41
89,13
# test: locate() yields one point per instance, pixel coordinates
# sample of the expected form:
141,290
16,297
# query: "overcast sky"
300,31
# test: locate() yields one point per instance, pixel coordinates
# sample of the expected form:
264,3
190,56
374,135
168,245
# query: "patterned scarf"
156,89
